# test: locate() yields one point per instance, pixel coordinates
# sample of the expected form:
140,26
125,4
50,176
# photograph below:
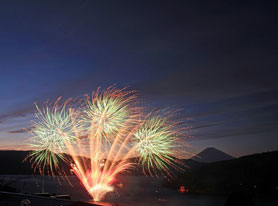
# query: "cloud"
235,104
213,81
235,131
203,126
22,130
17,112
238,121
19,147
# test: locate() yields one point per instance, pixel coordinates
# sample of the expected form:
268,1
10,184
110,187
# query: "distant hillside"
12,163
254,173
211,154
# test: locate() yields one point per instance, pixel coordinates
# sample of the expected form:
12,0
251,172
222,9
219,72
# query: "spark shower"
98,135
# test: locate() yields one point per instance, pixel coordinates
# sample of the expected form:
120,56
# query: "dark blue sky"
218,61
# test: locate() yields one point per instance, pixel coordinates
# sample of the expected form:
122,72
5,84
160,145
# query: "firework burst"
51,122
156,142
107,111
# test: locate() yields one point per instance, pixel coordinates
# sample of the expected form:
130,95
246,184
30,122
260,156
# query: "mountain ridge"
211,154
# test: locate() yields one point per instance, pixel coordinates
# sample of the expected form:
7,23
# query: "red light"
182,189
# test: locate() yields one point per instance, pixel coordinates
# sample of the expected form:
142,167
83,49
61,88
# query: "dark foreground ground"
17,199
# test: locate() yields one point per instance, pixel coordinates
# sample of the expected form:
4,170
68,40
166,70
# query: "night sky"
217,61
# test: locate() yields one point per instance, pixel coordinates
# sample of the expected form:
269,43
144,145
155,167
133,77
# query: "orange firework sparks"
108,149
98,172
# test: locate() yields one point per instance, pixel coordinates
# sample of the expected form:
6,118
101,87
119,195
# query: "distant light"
182,189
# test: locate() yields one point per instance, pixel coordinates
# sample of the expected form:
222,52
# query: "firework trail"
111,116
101,136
